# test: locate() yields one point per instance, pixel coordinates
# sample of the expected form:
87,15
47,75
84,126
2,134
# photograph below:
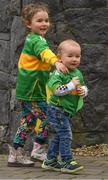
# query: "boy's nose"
74,58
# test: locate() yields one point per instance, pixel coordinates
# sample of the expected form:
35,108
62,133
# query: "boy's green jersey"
70,103
33,68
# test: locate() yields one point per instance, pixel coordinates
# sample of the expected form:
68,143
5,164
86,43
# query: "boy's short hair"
29,10
67,41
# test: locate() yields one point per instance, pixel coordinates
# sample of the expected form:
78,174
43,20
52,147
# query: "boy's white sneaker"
38,152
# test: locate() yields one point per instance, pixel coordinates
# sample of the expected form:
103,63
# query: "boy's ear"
59,57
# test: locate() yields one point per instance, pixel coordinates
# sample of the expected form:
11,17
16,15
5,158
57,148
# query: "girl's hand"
61,67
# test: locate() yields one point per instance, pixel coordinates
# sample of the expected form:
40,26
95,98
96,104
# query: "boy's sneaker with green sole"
52,164
71,167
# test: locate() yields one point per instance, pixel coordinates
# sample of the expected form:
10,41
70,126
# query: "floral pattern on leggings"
33,119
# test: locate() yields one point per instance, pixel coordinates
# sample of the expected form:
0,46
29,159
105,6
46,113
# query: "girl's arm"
49,57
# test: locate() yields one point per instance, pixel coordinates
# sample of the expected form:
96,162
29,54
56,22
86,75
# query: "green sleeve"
55,80
40,45
34,45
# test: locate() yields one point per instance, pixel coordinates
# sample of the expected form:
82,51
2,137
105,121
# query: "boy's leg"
64,133
51,161
61,123
63,139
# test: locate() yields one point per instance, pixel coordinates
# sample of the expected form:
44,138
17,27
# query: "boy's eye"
75,56
47,20
78,56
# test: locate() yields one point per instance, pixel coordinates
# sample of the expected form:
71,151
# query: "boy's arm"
67,88
72,85
64,89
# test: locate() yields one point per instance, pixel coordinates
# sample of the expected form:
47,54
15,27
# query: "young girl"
34,66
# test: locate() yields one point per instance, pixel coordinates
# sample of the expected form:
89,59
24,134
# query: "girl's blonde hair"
29,10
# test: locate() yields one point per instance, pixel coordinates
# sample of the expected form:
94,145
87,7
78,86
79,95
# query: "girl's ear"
28,24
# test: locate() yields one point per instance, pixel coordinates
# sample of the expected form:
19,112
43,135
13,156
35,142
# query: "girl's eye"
47,20
41,20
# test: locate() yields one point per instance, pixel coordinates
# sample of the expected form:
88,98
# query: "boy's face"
70,56
39,23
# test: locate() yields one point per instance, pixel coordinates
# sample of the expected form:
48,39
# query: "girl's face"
39,23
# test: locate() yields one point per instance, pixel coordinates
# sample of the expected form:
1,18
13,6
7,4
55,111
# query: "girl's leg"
33,114
42,125
27,123
41,129
31,111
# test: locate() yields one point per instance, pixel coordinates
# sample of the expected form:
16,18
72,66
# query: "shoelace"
22,154
65,164
73,163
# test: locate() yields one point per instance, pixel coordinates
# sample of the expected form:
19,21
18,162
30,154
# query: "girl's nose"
45,23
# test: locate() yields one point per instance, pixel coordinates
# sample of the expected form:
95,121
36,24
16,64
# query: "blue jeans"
62,140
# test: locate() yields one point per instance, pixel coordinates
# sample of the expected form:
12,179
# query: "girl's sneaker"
71,167
38,152
17,158
52,164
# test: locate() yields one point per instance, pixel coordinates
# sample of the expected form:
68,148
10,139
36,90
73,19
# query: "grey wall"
86,21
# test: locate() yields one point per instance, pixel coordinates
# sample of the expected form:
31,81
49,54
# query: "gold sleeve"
48,56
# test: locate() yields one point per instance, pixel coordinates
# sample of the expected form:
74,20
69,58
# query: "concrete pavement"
94,168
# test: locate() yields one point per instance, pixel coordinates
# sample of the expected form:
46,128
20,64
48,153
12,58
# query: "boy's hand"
75,81
80,90
61,67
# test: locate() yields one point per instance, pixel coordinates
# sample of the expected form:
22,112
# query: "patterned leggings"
33,118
